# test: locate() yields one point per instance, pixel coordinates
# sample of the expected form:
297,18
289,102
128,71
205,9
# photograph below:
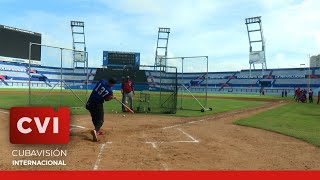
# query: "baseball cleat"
94,135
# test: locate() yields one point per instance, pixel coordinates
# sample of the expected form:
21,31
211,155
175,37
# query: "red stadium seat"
3,77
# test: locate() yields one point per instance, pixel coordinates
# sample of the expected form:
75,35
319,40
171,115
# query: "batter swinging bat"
125,106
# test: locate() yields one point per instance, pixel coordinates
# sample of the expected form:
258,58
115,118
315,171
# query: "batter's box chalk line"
97,163
192,140
72,127
191,122
4,112
164,164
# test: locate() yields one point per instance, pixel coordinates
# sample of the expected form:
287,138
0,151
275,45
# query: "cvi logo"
39,125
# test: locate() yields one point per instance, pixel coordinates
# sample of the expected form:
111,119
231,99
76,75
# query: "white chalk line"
170,127
77,126
96,165
214,117
152,143
219,116
168,142
73,127
193,139
191,122
5,112
164,164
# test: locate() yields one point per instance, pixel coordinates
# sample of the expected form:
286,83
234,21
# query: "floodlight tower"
79,43
257,52
162,46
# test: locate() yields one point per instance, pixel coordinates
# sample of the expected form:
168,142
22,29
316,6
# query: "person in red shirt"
127,91
300,93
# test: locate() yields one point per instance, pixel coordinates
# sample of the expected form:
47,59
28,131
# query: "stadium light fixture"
162,46
257,43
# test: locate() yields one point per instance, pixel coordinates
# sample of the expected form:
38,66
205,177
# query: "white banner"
16,60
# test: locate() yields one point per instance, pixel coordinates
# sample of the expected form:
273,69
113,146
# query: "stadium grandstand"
15,75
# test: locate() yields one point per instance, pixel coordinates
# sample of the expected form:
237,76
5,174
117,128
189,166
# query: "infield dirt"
153,142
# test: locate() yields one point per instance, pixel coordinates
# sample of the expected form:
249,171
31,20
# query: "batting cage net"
155,88
192,82
61,80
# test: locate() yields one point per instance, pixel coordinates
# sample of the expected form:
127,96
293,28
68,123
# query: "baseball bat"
125,106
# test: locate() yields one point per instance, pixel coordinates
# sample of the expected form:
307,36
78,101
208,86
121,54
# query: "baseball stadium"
185,116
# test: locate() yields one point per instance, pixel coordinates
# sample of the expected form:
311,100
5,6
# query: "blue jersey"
101,92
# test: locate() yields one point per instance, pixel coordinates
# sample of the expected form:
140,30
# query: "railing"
240,90
25,84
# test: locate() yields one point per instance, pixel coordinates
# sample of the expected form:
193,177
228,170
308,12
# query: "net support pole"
30,46
160,87
61,51
193,96
182,78
207,82
62,83
87,83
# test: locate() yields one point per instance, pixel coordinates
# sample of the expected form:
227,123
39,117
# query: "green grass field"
239,95
295,119
67,99
179,94
218,105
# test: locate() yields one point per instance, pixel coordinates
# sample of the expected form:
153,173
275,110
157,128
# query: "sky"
214,28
